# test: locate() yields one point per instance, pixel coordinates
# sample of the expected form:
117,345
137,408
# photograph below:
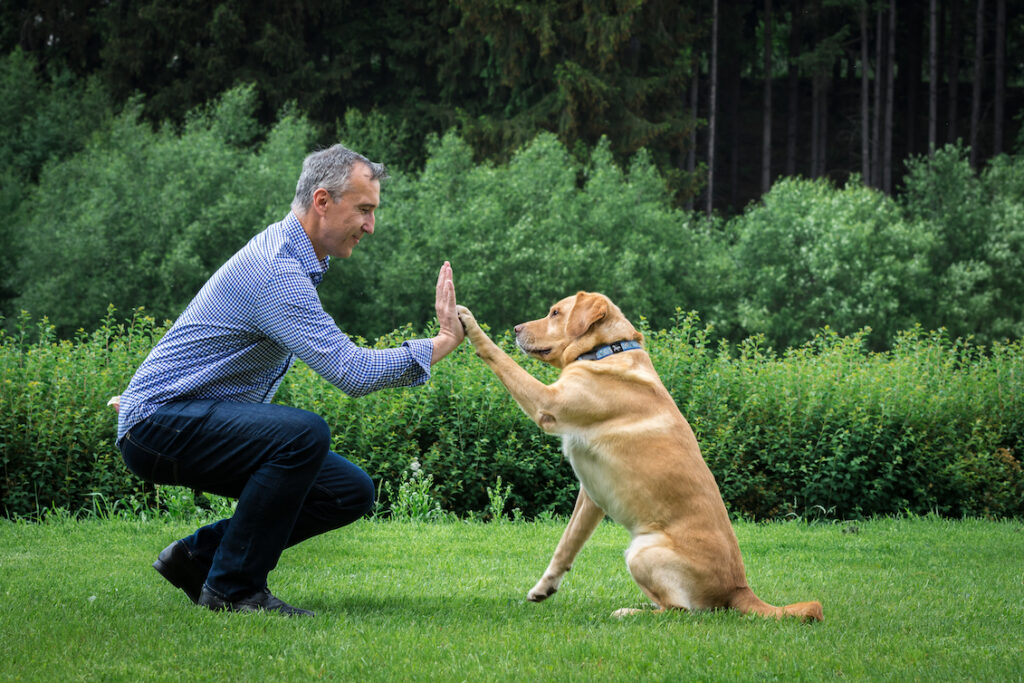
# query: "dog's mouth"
532,350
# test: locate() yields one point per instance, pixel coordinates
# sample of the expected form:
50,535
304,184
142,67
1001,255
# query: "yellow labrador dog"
635,456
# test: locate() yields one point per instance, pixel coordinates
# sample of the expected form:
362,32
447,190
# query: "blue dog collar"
609,349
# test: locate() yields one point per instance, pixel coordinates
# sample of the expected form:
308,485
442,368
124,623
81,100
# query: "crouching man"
197,413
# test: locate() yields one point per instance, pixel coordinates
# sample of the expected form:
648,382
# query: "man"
197,413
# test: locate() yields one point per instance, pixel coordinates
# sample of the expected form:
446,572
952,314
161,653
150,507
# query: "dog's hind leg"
585,518
661,573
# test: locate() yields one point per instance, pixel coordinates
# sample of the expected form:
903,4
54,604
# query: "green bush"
832,429
813,255
828,428
41,119
522,235
976,254
145,217
56,431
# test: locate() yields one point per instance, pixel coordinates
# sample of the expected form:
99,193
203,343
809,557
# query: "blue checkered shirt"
246,326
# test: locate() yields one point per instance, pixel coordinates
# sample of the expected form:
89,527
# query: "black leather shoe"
260,601
178,566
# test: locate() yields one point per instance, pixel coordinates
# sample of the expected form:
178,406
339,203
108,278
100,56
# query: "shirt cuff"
421,350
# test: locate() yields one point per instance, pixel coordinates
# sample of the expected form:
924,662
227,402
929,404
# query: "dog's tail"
745,601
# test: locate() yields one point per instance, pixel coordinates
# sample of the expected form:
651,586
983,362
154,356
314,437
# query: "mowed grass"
904,599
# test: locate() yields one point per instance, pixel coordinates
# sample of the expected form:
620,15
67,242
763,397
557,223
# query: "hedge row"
827,429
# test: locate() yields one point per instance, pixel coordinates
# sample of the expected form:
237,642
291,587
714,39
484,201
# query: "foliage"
829,427
976,258
146,216
824,429
636,71
814,255
40,119
56,433
582,70
521,236
414,499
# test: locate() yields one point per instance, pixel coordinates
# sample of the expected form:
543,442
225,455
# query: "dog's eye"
554,313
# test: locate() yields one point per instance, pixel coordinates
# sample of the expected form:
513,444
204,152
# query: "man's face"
348,219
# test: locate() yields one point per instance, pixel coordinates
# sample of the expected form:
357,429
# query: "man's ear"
321,198
588,309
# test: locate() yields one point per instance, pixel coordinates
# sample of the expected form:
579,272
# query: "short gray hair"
330,169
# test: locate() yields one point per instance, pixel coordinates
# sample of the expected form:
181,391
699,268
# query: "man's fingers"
447,315
445,285
442,274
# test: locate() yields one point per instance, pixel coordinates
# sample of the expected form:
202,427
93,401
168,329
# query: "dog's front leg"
535,398
585,518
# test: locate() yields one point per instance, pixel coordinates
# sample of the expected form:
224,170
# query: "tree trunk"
730,66
909,74
826,84
691,154
793,119
865,97
953,69
890,92
766,148
876,126
712,106
933,74
997,146
979,74
817,99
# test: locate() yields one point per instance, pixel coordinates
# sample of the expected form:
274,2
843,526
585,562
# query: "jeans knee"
314,435
365,494
342,507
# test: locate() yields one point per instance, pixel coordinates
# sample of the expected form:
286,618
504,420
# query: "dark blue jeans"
274,459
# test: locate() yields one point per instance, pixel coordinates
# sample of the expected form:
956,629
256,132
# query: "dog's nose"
518,328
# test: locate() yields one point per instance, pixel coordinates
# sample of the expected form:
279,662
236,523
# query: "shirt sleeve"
290,313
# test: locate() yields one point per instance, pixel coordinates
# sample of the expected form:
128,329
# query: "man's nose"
368,225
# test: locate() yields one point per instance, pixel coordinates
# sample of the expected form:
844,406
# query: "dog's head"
574,326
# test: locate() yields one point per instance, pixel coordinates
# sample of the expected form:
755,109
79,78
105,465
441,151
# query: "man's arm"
290,312
451,333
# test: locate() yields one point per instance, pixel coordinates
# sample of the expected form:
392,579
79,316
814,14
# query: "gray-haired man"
197,413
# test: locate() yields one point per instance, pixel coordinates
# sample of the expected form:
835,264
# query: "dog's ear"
588,309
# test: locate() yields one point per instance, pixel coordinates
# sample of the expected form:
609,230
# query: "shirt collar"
313,266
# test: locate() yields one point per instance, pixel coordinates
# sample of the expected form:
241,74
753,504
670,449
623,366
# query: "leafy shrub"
41,119
56,432
414,499
828,428
520,236
813,255
146,216
832,428
976,256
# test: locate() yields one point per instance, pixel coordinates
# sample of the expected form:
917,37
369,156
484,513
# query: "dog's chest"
592,470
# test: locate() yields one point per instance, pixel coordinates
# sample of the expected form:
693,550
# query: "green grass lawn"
904,599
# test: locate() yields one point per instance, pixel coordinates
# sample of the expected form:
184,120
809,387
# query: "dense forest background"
777,166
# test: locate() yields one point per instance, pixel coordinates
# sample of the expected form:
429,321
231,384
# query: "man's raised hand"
451,332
